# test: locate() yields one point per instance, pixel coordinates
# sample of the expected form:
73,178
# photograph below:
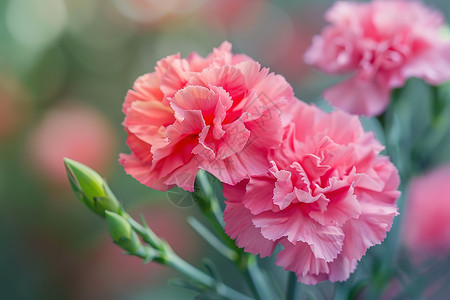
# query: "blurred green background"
65,67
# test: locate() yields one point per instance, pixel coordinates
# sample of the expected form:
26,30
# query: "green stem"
187,269
177,263
169,258
275,285
438,106
212,239
213,206
145,232
291,287
382,120
256,280
247,264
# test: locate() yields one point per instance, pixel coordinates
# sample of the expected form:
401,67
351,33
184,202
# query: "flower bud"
91,188
121,232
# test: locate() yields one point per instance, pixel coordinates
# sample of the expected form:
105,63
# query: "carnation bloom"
327,197
426,227
220,114
381,44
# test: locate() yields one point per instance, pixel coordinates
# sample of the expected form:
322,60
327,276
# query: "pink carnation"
381,44
220,114
426,227
327,197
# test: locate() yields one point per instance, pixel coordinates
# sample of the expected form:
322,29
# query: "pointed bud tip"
90,187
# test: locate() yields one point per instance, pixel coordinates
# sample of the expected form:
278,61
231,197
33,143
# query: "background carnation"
380,44
426,223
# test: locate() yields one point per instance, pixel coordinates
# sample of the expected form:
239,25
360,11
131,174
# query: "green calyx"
121,232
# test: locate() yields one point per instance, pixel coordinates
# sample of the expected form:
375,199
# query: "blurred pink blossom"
327,197
220,114
149,13
228,13
379,44
426,224
75,131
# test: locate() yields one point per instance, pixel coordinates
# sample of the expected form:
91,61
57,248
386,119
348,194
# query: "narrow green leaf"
211,239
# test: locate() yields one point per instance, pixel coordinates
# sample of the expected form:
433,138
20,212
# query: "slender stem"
213,202
212,239
169,258
291,287
248,265
382,120
187,269
256,280
145,232
438,106
275,285
177,263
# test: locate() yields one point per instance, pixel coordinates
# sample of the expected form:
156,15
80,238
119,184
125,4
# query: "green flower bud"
121,232
91,188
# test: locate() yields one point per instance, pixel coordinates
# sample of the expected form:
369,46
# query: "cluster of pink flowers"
381,44
292,174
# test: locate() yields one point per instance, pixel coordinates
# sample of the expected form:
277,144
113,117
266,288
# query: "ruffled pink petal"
183,176
225,102
258,195
147,120
190,123
247,109
313,166
238,225
148,85
342,128
141,149
341,268
433,65
250,162
300,259
236,192
283,193
381,185
140,171
387,172
197,62
267,130
174,78
202,149
228,77
235,138
358,96
146,88
252,72
368,229
195,98
164,64
222,56
275,93
343,205
325,241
